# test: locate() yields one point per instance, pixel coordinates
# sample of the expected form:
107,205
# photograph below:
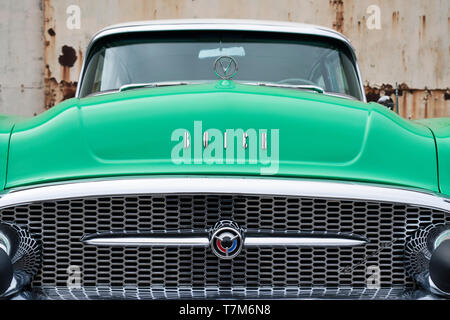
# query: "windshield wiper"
132,86
291,86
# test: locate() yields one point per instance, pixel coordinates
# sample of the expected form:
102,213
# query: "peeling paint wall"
21,57
411,46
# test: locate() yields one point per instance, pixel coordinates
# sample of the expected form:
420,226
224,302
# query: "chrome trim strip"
143,241
223,185
215,292
172,238
301,242
196,238
219,24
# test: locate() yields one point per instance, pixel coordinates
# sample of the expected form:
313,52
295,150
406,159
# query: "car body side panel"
129,133
441,131
6,126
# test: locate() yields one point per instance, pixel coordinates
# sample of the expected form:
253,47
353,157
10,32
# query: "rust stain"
56,92
395,19
423,27
413,103
65,73
48,73
338,6
51,32
404,60
80,58
51,91
374,93
425,102
68,57
448,25
404,103
67,60
68,89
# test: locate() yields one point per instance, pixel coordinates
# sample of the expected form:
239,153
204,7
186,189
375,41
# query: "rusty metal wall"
409,46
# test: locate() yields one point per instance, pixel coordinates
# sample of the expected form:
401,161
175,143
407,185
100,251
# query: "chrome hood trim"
223,185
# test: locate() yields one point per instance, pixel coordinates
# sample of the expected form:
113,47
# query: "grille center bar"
148,239
196,238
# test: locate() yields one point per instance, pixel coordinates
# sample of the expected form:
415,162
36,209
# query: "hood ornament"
225,67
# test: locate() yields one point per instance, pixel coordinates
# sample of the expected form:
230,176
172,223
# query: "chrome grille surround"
105,292
60,214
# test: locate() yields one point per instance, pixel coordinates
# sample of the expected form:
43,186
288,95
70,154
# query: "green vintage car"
223,159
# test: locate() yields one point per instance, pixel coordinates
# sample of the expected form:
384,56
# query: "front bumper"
54,212
133,293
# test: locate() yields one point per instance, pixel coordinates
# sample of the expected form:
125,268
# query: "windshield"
189,56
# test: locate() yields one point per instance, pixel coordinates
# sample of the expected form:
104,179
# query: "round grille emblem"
226,240
225,67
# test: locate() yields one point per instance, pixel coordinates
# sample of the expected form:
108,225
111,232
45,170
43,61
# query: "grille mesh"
60,224
58,293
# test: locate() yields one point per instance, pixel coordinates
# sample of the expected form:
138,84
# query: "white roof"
220,24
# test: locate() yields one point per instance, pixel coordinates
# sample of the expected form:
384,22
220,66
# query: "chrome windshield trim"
222,25
130,86
287,86
222,185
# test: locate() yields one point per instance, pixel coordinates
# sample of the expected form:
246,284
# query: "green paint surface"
320,136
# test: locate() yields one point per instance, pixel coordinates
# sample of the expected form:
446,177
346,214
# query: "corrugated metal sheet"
411,48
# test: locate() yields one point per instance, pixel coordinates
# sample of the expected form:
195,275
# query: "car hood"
141,132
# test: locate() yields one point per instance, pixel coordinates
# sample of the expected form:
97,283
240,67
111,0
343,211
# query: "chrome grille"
60,224
58,293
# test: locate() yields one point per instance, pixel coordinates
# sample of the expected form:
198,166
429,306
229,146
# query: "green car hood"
130,133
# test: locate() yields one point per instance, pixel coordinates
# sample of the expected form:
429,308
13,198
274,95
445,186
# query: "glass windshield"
189,56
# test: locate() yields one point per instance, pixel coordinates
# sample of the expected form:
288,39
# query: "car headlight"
428,258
